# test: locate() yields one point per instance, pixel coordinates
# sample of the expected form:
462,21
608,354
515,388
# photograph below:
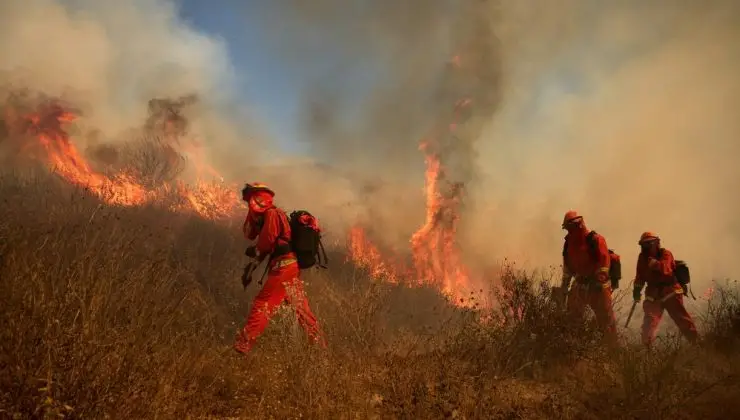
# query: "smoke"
109,58
627,112
377,78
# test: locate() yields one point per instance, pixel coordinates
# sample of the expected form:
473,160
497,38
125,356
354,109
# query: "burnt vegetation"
132,312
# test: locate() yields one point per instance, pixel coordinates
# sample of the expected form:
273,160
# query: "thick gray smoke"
625,111
390,80
396,73
110,57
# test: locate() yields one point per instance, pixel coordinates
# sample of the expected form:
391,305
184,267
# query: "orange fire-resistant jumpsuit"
657,273
592,286
271,229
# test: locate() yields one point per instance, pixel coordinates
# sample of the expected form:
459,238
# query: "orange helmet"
648,237
254,187
571,216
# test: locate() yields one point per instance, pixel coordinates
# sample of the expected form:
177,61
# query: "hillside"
131,312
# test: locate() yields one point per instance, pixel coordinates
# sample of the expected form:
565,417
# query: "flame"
434,252
435,257
64,157
47,124
366,255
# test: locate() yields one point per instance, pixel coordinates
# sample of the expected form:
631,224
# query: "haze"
626,112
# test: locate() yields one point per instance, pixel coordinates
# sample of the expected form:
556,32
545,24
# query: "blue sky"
264,83
268,85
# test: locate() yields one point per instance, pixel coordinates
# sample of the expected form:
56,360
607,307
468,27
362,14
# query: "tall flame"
435,257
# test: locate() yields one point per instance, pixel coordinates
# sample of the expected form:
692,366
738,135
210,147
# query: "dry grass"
131,313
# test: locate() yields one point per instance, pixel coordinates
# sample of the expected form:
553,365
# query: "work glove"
637,294
251,252
685,288
615,284
653,264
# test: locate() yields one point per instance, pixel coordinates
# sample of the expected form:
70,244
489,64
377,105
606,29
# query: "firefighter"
270,227
656,269
586,258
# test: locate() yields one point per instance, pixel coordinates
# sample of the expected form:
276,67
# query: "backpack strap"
284,219
280,249
593,245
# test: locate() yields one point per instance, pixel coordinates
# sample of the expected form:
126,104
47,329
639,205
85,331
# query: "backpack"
305,239
682,275
615,264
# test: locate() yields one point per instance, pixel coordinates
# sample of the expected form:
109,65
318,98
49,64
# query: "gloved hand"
251,252
685,288
653,264
637,294
615,284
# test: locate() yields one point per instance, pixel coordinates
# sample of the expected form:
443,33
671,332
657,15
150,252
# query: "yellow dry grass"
131,312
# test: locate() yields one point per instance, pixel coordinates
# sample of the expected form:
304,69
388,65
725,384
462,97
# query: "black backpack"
682,274
615,264
305,240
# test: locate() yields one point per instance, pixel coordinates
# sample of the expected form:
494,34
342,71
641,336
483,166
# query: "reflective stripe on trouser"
653,308
283,284
662,293
283,263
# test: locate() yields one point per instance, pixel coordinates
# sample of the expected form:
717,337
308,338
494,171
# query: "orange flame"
435,256
436,259
66,160
366,255
47,125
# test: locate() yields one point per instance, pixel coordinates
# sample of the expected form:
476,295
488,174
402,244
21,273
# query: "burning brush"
467,97
38,126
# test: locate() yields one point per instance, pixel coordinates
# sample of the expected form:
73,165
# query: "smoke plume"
378,78
624,111
109,58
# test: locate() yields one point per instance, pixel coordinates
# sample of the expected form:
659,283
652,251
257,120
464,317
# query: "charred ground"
131,313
